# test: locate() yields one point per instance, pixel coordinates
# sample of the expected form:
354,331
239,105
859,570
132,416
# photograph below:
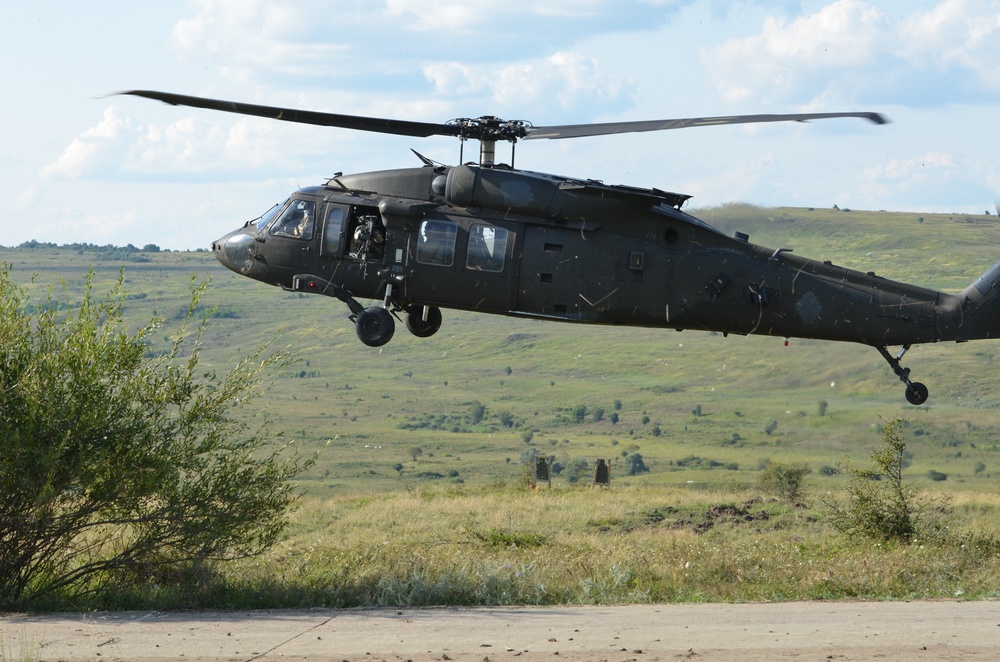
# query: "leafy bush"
782,480
117,469
881,506
635,465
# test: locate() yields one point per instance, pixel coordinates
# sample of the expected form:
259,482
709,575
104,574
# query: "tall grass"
578,546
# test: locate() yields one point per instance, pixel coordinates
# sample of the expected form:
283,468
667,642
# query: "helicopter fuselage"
510,242
526,244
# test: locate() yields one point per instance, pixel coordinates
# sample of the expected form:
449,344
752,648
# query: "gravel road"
703,632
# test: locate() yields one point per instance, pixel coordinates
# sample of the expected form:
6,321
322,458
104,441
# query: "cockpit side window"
487,248
296,220
436,243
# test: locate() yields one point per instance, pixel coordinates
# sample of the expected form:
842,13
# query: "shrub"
635,465
782,480
881,506
476,412
116,468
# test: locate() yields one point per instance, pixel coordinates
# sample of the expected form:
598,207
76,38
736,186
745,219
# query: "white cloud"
562,80
955,36
792,59
852,51
97,148
927,165
247,37
497,17
380,42
120,147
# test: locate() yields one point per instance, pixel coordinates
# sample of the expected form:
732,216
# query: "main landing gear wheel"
916,393
375,326
420,327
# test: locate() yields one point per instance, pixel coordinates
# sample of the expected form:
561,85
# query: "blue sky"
79,166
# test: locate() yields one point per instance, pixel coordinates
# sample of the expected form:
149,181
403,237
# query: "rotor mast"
488,130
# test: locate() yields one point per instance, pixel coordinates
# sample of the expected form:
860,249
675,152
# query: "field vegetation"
419,493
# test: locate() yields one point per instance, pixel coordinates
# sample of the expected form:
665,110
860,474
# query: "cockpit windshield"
265,218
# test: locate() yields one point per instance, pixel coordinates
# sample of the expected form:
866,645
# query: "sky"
80,164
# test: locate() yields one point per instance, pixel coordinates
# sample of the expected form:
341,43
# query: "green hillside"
702,410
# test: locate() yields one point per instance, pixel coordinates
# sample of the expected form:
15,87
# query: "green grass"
392,535
491,546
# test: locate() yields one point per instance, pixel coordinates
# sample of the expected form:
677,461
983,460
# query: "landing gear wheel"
375,326
417,326
916,393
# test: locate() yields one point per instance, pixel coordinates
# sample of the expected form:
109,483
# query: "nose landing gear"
916,393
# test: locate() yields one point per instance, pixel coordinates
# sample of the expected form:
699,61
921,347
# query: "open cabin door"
355,245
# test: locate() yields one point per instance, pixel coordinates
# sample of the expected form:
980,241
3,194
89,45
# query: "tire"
375,326
916,393
416,325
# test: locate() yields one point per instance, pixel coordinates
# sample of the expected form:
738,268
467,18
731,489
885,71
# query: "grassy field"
380,520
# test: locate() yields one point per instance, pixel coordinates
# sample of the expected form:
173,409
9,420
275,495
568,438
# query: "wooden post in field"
543,471
602,474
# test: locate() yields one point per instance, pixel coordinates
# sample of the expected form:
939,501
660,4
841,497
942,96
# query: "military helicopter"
490,238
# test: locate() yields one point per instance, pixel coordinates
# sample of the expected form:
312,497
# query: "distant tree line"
108,251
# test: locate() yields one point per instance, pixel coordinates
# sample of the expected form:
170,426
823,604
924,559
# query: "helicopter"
487,237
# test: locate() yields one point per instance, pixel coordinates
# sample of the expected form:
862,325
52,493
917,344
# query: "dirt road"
702,632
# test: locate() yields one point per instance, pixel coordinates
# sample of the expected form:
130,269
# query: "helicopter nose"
233,251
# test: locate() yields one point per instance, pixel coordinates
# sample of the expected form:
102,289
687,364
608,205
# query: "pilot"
303,229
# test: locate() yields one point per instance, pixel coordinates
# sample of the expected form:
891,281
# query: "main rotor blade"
483,128
583,130
375,124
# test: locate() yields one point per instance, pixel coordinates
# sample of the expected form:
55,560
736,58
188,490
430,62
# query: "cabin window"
436,243
296,220
487,248
334,226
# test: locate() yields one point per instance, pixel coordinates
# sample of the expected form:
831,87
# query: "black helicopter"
490,238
